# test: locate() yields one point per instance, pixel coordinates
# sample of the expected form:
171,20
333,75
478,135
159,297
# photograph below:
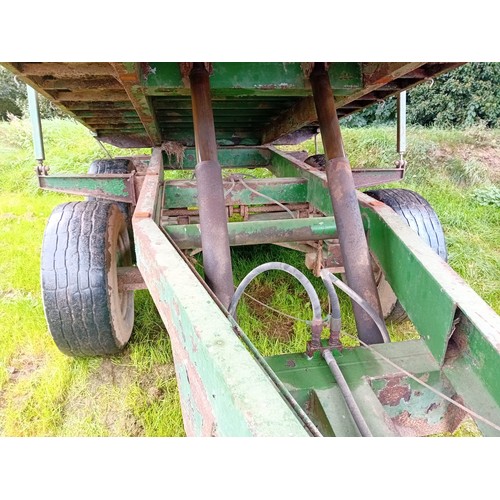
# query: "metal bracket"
112,187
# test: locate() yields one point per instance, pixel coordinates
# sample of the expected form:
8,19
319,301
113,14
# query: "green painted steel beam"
228,158
259,232
461,330
312,383
222,389
477,353
429,306
249,79
128,74
283,165
113,187
391,402
179,194
433,295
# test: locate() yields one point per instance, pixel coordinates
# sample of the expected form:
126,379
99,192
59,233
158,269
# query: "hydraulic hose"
329,278
325,273
347,394
335,320
308,423
317,322
316,328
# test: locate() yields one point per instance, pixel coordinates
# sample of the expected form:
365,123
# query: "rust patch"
393,392
196,401
408,426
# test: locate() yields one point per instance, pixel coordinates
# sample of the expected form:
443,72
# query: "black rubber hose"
316,327
335,319
279,266
346,392
362,302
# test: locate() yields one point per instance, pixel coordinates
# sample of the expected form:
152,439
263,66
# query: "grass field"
44,393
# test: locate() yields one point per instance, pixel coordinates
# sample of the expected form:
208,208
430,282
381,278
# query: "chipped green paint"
228,158
112,187
312,384
234,79
224,391
429,306
407,395
461,330
129,75
259,232
283,165
475,358
180,194
435,292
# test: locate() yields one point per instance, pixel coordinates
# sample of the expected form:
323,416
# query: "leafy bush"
466,96
487,196
14,99
10,95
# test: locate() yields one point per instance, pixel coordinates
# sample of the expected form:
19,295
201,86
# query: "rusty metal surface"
130,278
353,244
129,76
259,232
414,409
112,187
223,391
147,199
301,209
213,217
252,106
362,177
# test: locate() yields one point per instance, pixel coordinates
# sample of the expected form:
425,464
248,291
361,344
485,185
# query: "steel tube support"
36,123
259,232
213,216
353,244
401,114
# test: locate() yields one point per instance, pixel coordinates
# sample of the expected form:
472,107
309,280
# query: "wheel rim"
121,302
121,250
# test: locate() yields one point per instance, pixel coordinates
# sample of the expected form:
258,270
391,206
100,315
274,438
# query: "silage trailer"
137,230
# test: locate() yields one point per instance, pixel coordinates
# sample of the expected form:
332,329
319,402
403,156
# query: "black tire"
316,161
418,214
113,166
83,244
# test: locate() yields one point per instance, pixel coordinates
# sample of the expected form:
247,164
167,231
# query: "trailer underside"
456,329
237,115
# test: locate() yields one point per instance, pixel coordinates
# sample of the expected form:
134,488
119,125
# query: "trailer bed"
147,104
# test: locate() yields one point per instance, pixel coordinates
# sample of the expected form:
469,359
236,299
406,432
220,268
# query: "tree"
463,97
11,95
14,99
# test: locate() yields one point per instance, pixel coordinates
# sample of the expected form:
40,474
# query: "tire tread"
74,279
420,216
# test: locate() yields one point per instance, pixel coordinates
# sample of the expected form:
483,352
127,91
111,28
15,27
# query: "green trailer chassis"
236,115
223,389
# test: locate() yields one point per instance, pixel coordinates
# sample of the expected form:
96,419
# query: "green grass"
44,393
